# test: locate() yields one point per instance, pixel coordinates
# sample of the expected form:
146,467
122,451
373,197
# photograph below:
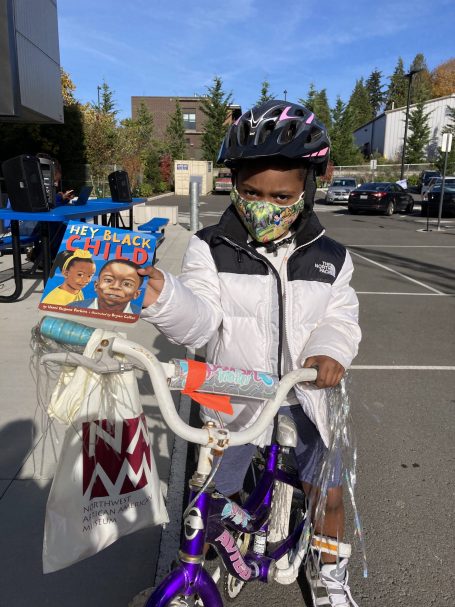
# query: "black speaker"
25,184
119,185
48,173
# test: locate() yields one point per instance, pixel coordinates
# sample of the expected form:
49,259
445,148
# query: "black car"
431,205
424,178
385,197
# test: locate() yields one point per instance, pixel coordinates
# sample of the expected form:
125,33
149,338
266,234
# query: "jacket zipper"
238,247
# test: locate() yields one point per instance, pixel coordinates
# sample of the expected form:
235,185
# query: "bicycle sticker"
233,511
228,543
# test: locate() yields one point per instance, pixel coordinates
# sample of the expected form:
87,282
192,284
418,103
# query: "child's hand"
330,371
154,287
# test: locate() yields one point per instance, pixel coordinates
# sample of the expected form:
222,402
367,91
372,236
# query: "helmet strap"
310,188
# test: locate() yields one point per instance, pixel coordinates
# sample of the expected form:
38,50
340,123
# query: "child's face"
117,285
79,274
270,183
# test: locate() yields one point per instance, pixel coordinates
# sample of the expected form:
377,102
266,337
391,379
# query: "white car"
340,189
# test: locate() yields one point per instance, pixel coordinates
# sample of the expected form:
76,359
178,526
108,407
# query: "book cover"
94,274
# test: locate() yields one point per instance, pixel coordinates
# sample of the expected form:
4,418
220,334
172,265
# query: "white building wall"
388,129
437,120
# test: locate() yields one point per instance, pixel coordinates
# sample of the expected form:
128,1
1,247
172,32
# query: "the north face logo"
116,456
326,268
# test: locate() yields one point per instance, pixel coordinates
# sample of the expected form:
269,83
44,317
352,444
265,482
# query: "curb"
165,195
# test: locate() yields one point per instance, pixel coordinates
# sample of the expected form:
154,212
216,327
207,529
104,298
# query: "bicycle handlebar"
57,330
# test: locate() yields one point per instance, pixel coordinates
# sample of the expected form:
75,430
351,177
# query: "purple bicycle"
265,539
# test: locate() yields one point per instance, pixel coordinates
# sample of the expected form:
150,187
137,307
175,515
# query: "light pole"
285,93
409,76
98,89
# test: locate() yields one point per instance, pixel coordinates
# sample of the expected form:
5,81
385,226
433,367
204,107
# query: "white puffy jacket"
228,297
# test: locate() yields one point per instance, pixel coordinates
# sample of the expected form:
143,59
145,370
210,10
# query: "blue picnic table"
105,208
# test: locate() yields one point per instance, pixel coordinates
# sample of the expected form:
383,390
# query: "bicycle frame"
210,520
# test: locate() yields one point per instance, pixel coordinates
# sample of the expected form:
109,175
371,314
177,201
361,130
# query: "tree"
443,79
317,103
266,95
376,95
107,104
450,128
135,141
343,149
421,82
215,106
175,134
310,98
68,88
397,91
419,137
100,131
359,105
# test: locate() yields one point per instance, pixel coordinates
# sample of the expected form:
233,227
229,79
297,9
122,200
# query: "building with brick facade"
162,108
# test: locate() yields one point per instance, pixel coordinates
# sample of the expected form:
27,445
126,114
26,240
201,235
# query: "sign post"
445,147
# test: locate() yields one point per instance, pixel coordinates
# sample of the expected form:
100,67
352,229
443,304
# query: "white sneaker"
329,584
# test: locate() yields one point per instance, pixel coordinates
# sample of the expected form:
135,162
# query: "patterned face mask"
266,221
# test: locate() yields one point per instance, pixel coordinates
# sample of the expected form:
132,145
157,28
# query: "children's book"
95,276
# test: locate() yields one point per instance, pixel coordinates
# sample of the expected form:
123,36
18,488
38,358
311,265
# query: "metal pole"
194,206
406,126
285,94
441,197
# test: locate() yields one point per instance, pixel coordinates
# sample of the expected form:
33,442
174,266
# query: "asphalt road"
403,407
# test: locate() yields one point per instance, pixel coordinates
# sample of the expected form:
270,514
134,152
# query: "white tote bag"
106,484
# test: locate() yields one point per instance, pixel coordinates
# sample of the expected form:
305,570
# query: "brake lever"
102,363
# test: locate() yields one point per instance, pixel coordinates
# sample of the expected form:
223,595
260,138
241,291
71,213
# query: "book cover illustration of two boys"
95,273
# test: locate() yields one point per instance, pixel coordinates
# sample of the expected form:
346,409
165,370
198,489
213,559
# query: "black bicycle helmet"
277,128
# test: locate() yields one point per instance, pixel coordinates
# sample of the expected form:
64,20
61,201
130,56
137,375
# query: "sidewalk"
28,458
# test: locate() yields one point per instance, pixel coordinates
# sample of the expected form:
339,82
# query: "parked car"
426,187
223,183
340,189
386,197
424,179
430,204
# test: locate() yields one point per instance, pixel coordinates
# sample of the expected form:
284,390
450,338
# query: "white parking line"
398,273
401,368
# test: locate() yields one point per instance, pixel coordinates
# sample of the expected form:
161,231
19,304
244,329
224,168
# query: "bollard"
194,206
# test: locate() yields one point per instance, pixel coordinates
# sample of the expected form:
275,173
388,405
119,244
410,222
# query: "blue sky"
174,48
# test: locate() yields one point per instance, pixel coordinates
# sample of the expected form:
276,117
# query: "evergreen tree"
343,149
316,101
107,104
450,128
266,95
398,87
321,108
421,82
175,134
359,105
215,106
376,95
310,98
419,137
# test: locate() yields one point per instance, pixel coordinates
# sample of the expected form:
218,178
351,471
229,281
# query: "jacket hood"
308,227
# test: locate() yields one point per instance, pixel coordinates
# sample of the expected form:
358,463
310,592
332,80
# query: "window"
189,120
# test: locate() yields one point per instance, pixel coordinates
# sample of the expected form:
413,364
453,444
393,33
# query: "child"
78,269
117,285
273,295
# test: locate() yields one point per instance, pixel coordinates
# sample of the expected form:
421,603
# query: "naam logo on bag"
116,457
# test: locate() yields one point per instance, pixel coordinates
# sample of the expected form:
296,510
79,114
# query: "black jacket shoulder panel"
320,261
